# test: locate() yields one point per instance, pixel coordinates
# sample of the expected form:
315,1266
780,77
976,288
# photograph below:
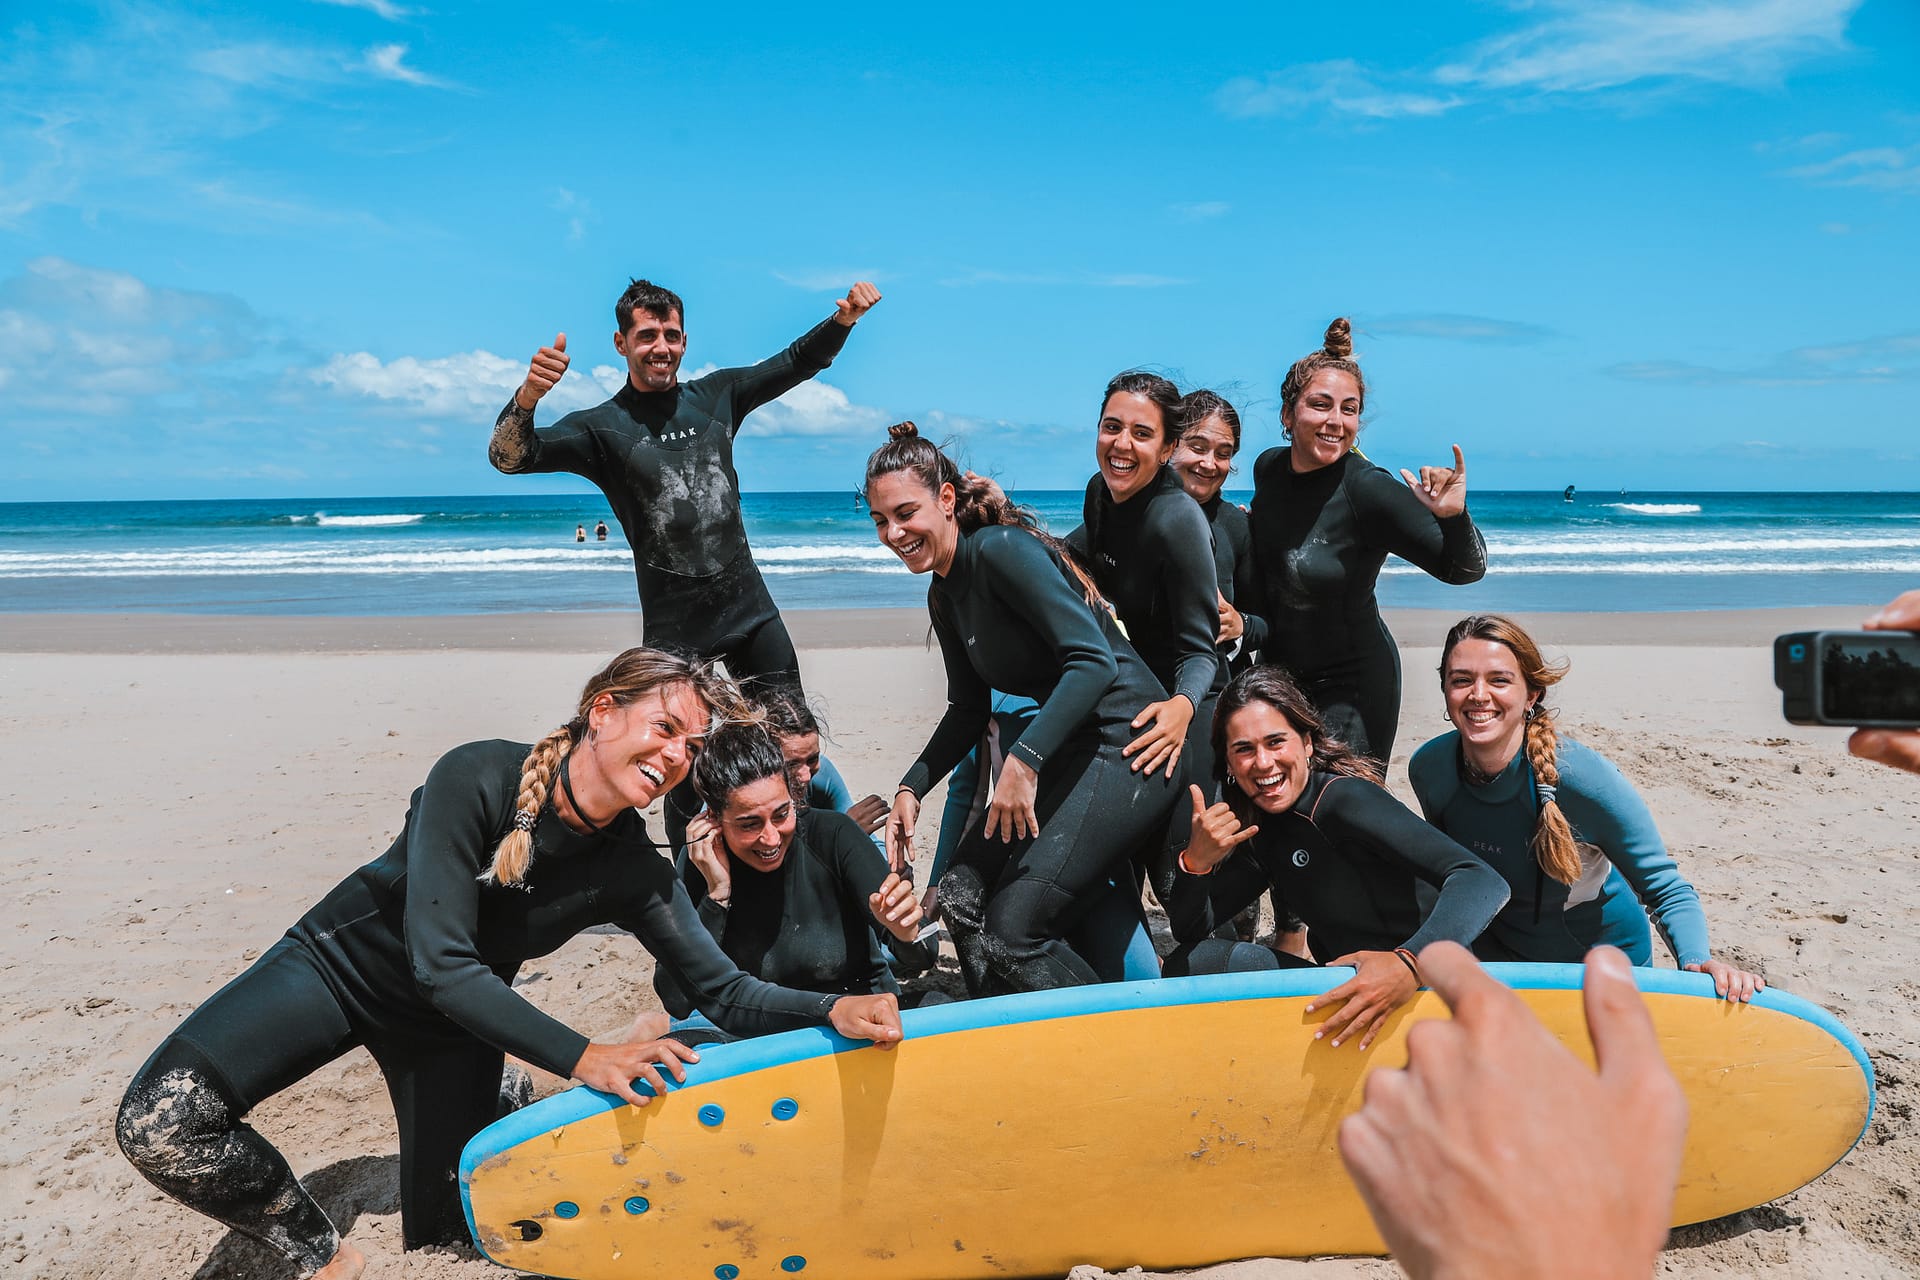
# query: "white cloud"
579,210
1887,358
1567,47
830,279
389,61
816,408
1452,327
1091,279
1201,210
467,385
382,8
1343,86
1876,168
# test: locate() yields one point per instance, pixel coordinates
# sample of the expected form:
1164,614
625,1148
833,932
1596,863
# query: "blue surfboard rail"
725,1061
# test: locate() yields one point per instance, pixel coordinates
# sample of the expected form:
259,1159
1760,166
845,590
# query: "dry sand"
182,788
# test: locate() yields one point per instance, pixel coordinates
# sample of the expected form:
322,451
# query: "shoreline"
610,631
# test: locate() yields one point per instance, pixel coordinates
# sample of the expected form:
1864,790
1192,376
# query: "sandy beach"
183,787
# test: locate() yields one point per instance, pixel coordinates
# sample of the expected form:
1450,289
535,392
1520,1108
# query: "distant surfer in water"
508,851
662,452
1324,521
1570,834
600,531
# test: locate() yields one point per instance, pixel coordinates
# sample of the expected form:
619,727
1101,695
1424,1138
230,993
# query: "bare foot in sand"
650,1025
348,1262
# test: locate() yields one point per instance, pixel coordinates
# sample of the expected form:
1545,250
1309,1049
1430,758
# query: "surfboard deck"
1164,1124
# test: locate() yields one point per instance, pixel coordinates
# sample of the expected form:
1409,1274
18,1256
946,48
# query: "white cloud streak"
1342,86
1887,358
388,61
380,8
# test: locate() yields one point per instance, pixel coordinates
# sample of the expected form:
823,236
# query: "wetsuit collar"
1503,786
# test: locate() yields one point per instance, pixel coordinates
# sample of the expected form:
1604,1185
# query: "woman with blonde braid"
1572,837
507,852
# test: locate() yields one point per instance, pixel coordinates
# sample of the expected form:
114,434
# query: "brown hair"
1200,404
1271,685
1336,352
629,677
977,504
1553,844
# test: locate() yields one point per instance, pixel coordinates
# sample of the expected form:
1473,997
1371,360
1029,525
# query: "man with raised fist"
662,452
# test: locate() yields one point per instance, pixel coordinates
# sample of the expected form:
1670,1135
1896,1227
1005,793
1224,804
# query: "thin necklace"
566,785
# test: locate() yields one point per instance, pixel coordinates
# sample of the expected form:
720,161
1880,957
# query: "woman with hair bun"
1013,613
1209,442
1324,521
507,852
790,893
1572,837
1337,849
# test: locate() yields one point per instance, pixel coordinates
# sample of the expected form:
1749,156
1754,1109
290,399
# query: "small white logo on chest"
1300,858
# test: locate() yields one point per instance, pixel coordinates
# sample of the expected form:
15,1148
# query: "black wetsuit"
1010,616
1319,540
664,460
1233,566
412,957
805,924
1152,558
1346,859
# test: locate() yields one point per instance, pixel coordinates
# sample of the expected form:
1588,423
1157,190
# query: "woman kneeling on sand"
1335,847
791,894
413,955
1571,835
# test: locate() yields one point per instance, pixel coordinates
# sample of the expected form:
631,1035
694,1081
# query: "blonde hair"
631,676
1553,843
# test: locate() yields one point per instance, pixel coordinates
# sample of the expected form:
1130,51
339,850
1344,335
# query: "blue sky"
306,248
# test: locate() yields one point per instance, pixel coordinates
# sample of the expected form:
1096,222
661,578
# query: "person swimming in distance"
1576,844
1323,522
790,893
508,851
1068,812
1306,817
1209,442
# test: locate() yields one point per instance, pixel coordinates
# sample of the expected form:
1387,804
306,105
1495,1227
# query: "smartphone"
1869,679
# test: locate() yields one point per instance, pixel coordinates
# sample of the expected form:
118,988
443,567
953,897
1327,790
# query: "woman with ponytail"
1572,837
1324,520
507,852
1306,817
1068,814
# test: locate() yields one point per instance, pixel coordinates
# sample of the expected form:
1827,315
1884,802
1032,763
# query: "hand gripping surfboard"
1163,1124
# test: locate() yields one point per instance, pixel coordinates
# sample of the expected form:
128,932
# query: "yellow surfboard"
1161,1124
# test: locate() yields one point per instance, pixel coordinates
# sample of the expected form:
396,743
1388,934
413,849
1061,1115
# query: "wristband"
1180,860
1407,958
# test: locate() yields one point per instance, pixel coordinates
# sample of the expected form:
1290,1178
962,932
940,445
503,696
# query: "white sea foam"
365,522
1677,543
1658,508
1678,566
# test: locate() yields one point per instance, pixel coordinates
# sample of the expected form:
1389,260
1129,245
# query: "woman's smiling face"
1267,757
1131,445
757,822
1324,420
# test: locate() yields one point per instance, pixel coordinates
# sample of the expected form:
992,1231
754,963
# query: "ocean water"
441,555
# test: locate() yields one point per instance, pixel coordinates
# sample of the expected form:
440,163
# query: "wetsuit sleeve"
811,352
1606,810
1247,590
1027,582
1450,549
966,715
520,448
1197,904
449,842
1471,892
669,927
674,998
828,790
862,870
1191,581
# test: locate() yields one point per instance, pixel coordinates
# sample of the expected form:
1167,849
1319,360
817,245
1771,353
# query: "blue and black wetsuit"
1626,872
1319,541
1010,616
664,460
413,957
1349,860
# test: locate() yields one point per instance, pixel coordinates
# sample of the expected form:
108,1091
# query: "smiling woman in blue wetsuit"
1572,837
508,851
1324,521
1067,811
